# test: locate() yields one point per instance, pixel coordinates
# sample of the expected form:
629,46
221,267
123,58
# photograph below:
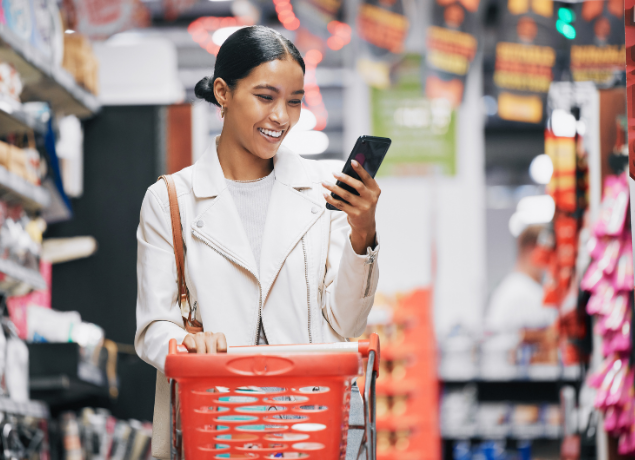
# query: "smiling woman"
265,261
258,83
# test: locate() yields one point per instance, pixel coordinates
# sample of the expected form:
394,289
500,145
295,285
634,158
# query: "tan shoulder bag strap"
190,324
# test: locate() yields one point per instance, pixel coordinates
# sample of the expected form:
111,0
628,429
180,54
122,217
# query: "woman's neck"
238,163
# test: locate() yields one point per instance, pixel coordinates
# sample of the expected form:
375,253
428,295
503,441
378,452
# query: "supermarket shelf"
397,387
529,391
32,197
20,273
510,436
44,81
510,381
15,120
64,390
35,409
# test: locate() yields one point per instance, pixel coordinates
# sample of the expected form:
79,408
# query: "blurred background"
505,300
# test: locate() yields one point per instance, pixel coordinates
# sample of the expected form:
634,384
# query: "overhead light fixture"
306,142
532,210
563,124
69,31
541,169
203,30
223,34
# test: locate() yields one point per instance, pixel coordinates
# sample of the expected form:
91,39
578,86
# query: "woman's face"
265,105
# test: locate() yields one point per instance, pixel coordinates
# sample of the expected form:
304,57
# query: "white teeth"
271,133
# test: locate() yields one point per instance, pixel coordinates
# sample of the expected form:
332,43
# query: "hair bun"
204,89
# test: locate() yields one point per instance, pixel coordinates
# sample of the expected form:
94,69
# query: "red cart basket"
272,401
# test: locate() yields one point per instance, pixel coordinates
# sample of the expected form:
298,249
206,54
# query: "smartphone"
369,151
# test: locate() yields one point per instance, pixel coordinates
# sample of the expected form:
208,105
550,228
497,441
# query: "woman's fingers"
210,343
205,342
350,181
339,204
221,343
368,181
343,193
190,343
200,343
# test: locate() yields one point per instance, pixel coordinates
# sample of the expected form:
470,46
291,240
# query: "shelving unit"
515,390
20,273
15,188
16,120
66,391
34,409
55,377
44,81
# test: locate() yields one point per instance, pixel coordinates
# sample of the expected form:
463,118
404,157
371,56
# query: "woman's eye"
295,102
265,97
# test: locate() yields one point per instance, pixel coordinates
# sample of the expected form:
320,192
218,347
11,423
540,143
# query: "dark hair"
243,51
528,238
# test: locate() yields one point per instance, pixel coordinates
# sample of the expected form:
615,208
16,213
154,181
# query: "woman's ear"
221,91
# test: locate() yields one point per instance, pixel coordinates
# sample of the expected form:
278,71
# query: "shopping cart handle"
364,347
372,344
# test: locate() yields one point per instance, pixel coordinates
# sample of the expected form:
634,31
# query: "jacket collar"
208,179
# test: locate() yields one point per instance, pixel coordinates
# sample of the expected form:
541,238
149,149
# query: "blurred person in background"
519,329
266,262
517,302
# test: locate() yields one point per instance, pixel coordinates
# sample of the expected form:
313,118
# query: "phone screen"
369,152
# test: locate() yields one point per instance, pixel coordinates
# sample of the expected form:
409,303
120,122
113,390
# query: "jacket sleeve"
350,280
158,315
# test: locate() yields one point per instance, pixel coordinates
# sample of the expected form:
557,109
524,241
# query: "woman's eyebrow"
276,90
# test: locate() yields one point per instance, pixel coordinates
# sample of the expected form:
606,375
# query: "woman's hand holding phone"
359,209
205,342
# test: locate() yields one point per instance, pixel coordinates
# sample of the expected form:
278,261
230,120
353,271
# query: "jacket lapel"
290,215
219,225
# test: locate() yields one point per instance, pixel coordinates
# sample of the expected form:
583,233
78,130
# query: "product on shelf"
94,434
10,83
463,417
491,450
609,280
407,387
80,61
24,163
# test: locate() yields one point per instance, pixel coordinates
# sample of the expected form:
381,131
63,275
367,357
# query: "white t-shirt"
517,304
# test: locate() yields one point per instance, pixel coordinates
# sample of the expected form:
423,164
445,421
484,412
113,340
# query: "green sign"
423,131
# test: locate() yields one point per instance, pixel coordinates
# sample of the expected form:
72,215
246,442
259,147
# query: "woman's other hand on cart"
205,342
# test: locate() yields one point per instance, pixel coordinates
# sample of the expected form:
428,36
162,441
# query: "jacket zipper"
200,237
371,262
308,292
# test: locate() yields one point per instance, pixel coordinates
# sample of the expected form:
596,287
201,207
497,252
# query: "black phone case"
380,142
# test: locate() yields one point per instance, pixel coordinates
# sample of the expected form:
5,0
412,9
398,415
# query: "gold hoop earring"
222,112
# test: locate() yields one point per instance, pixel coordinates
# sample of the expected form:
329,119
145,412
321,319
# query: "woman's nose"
279,114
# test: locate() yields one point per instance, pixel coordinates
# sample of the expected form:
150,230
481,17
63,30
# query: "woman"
266,262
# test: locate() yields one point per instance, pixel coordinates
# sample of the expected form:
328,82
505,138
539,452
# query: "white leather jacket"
312,286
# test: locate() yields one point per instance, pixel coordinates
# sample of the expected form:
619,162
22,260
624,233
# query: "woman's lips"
269,137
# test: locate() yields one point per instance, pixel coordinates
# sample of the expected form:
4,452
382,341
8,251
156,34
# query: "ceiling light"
563,124
532,210
541,169
306,142
223,34
69,31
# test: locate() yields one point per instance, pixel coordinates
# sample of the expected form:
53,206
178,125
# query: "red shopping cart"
269,402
